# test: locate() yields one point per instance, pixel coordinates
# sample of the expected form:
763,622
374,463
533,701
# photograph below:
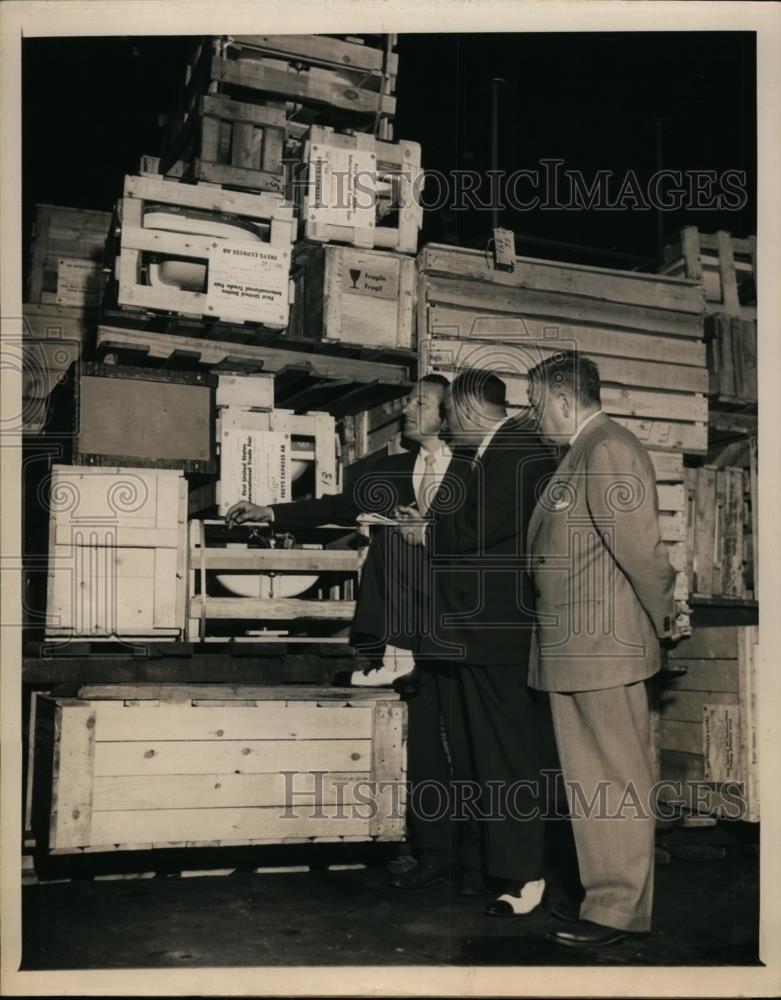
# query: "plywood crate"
644,332
347,186
363,297
117,550
144,417
129,767
732,359
242,278
231,143
721,525
708,719
725,265
314,78
66,255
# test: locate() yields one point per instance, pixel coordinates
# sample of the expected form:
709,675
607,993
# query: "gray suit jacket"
603,582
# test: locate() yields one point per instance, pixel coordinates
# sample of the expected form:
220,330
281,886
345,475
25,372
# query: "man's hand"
413,532
246,511
681,623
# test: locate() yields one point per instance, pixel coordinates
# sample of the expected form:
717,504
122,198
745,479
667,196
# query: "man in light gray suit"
604,590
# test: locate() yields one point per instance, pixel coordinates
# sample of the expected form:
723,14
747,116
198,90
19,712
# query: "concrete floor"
706,914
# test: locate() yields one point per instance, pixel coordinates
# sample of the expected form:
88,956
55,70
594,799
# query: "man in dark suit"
392,610
605,597
482,624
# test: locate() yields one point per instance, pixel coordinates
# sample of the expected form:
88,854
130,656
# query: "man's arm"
621,497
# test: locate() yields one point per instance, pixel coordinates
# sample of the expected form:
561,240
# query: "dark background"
92,107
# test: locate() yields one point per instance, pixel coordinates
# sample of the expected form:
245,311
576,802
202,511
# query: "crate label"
721,742
373,276
342,187
248,281
78,281
254,466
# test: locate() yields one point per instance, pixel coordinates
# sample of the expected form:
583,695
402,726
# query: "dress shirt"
441,461
489,436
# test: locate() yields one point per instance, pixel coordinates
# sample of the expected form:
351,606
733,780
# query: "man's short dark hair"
480,387
570,371
434,378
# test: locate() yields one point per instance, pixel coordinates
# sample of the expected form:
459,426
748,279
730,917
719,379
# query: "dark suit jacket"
483,607
390,598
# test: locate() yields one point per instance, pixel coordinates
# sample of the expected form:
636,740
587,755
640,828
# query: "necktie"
428,483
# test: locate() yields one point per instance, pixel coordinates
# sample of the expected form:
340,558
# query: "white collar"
443,451
582,425
489,436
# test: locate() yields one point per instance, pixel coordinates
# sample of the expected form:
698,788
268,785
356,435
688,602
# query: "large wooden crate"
726,267
117,551
242,278
148,766
671,497
708,716
231,143
732,360
721,525
352,296
645,333
66,255
346,187
314,78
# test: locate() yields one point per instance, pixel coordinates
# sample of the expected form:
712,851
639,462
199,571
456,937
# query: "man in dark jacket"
393,609
483,613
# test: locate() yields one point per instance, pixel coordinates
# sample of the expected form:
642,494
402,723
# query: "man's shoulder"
613,439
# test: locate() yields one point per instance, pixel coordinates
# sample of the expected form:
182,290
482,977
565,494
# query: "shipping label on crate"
342,187
248,281
78,282
721,742
254,466
370,275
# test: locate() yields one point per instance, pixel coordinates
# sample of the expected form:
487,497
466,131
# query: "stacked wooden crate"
727,269
708,729
643,331
130,767
60,303
722,530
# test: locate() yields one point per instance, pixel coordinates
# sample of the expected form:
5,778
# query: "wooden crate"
133,767
66,255
643,331
671,496
117,549
726,267
269,614
213,347
142,417
347,186
708,717
54,338
314,78
363,297
732,359
243,281
231,143
721,526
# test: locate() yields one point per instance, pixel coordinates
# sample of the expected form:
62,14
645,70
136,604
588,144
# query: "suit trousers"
604,745
437,837
491,723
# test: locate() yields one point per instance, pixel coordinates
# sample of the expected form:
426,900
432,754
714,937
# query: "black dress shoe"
566,910
587,934
421,877
472,883
518,900
407,684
